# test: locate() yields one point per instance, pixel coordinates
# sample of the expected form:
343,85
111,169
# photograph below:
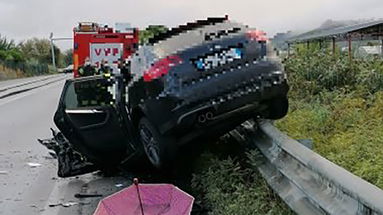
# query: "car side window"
89,93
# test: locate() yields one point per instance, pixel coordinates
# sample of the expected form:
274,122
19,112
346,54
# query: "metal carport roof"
374,28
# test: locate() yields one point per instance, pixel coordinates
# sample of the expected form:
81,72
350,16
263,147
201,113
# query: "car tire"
277,108
159,149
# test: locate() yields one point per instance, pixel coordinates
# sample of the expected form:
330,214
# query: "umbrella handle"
135,181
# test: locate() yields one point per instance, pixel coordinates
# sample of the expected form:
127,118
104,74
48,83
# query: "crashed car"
196,81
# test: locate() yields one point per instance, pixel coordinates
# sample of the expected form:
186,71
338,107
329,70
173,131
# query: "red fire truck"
102,43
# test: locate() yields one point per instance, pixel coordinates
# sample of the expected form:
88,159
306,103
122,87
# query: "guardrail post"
350,48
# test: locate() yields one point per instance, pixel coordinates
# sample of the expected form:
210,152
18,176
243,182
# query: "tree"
68,57
15,55
6,44
9,51
40,50
151,31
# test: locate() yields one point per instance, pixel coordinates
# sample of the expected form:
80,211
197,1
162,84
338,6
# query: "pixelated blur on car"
196,81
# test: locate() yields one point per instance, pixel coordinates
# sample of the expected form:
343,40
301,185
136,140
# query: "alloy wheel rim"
150,146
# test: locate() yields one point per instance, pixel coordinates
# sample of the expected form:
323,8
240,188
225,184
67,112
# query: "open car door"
92,122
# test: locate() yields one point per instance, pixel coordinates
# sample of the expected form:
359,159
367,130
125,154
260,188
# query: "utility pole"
53,52
52,39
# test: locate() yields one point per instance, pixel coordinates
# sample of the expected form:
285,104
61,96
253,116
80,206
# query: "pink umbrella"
147,199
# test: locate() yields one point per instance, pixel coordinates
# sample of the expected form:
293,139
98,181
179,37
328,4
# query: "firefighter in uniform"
102,95
104,69
87,70
86,90
125,70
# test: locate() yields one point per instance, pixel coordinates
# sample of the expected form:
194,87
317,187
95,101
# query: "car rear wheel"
277,108
159,149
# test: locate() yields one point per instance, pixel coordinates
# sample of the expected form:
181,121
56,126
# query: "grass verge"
339,105
229,184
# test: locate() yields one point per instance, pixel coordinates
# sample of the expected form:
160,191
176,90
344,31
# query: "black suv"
199,80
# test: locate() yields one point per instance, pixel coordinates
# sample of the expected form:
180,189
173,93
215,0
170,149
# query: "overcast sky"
22,19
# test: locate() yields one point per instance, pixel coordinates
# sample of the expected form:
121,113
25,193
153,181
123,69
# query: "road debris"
118,185
3,172
33,165
68,204
15,151
87,195
70,162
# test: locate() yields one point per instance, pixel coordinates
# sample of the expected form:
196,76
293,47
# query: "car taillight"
161,67
257,35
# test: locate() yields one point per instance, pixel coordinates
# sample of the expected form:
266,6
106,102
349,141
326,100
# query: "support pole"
288,50
333,46
350,47
381,48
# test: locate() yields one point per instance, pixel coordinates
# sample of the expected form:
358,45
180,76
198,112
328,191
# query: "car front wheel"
158,148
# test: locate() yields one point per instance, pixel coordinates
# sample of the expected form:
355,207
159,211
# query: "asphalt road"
28,181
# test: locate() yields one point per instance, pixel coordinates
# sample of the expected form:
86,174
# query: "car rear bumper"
246,100
226,83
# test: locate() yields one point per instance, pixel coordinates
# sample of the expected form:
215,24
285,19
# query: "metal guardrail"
30,85
307,182
26,82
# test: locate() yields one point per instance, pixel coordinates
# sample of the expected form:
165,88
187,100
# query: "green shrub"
312,72
339,105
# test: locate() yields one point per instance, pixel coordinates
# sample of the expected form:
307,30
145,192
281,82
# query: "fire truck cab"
102,43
